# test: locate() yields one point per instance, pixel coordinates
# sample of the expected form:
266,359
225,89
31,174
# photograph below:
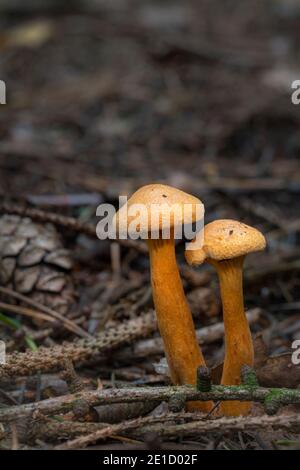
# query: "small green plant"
15,325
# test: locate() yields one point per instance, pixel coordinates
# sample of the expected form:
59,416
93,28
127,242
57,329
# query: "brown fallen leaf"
275,371
271,371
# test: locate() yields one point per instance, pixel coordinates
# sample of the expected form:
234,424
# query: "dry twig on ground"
271,398
205,335
164,426
46,359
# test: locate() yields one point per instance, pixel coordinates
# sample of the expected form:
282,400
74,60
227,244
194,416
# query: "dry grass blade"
28,312
68,324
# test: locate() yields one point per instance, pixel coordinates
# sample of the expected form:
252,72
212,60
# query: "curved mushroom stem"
238,340
174,318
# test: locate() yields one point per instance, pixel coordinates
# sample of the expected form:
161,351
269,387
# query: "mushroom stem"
238,340
174,317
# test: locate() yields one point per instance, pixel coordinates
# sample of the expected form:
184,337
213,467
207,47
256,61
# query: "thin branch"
27,312
284,421
205,335
271,398
69,324
105,432
166,425
47,359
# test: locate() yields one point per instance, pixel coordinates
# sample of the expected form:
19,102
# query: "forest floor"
101,100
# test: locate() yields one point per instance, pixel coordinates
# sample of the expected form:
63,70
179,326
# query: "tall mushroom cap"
226,239
157,199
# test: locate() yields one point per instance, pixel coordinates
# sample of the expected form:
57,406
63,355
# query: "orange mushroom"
173,314
226,242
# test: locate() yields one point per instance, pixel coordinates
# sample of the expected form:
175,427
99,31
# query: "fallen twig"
27,312
208,334
69,324
272,398
50,429
287,422
46,359
105,432
164,426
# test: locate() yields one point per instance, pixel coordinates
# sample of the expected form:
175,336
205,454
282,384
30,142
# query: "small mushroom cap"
162,207
226,239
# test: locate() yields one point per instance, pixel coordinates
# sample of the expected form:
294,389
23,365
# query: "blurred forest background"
105,96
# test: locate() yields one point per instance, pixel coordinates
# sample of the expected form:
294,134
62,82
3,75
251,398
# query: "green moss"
284,395
272,402
249,378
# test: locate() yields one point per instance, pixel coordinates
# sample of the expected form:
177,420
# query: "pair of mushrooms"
225,244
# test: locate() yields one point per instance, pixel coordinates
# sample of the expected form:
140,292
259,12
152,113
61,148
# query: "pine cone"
33,262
